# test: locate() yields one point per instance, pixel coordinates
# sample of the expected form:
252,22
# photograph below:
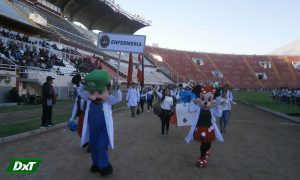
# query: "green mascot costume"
98,121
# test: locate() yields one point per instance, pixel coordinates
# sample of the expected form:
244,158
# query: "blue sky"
222,26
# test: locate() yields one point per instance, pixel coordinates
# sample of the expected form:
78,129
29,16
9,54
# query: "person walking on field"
133,98
226,100
143,95
167,106
48,100
149,98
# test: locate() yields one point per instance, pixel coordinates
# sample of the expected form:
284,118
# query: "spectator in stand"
18,52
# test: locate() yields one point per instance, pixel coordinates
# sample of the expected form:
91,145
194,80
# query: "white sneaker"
148,111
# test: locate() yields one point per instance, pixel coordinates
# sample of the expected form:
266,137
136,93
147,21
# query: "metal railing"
24,72
117,8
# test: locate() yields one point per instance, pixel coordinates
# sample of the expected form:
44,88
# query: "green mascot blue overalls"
98,121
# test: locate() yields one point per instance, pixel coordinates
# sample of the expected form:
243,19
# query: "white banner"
121,42
184,117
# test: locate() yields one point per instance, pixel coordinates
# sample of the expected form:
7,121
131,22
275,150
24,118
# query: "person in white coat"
226,100
133,98
98,122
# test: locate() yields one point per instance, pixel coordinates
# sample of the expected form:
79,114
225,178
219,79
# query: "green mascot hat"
96,80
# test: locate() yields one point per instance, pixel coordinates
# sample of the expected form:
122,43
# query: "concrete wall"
6,86
4,93
7,75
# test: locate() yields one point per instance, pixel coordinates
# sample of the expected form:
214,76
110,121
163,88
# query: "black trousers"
47,115
165,120
149,103
204,147
142,102
132,108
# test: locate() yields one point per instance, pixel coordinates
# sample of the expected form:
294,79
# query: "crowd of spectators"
69,51
25,51
85,64
37,54
10,35
24,54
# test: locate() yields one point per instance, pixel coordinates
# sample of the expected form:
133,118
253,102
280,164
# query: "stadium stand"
150,73
240,71
57,47
7,9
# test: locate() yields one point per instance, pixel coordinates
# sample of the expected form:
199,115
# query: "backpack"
157,109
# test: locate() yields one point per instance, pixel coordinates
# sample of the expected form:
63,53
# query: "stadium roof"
101,15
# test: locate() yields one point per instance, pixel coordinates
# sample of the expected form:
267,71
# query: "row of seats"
58,21
60,25
151,75
238,70
85,64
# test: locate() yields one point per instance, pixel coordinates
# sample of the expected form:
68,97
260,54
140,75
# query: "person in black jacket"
48,100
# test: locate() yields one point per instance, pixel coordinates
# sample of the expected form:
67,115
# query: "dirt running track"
258,145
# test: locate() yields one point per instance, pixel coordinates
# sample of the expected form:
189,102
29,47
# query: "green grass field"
31,107
28,125
16,127
265,100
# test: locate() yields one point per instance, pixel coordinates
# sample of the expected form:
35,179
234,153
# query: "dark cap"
49,78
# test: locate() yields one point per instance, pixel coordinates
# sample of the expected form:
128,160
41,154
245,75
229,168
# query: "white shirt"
133,97
225,103
167,103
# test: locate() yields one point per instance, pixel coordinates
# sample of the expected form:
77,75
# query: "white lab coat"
193,108
113,99
74,111
225,103
133,97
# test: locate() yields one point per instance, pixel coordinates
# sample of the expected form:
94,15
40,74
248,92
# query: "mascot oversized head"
98,84
206,98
